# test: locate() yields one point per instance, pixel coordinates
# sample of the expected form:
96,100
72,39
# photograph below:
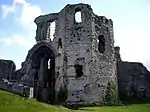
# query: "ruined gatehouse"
80,59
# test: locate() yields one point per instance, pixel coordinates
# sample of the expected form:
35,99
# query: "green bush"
111,97
62,94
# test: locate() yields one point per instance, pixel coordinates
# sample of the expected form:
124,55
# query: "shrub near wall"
111,97
62,95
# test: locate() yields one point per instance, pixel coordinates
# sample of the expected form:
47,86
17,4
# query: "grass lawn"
13,103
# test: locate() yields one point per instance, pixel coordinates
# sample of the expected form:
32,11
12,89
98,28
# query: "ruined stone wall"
79,41
85,58
43,23
58,43
57,46
103,64
7,69
77,49
14,87
9,78
79,65
117,53
133,80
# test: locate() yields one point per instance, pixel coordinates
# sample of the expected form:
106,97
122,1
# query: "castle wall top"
53,16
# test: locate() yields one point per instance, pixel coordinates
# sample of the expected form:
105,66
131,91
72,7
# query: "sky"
131,19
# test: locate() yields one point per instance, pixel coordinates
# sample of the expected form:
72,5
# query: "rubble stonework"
81,58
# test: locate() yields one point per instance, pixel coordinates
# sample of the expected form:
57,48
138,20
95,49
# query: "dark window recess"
59,43
101,44
36,76
79,70
43,34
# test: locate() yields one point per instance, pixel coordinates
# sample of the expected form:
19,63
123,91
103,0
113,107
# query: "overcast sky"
131,25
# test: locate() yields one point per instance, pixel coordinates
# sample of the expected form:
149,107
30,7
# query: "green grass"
14,103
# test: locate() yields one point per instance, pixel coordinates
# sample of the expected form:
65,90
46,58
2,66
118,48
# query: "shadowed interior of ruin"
43,61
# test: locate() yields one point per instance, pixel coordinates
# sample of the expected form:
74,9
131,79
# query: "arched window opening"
79,70
60,43
52,30
49,65
101,44
78,18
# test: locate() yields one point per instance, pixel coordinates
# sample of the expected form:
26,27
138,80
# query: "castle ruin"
81,58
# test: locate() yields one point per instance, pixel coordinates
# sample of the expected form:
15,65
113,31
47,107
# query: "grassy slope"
13,103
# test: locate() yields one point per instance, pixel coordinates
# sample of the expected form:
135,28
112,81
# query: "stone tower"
80,58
